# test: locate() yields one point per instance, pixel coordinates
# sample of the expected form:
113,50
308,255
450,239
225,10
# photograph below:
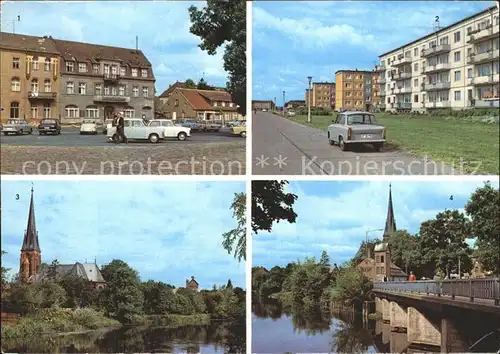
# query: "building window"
129,113
34,85
92,112
46,110
134,72
95,69
114,70
230,104
106,90
47,64
457,75
215,103
121,90
82,67
457,55
70,87
36,64
456,36
15,63
47,85
458,95
469,73
381,259
135,90
145,91
176,103
98,89
70,66
144,72
106,69
15,84
415,52
82,88
72,111
415,82
34,111
14,110
415,98
113,91
123,71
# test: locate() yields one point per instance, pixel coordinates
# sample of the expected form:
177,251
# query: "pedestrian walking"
121,129
412,277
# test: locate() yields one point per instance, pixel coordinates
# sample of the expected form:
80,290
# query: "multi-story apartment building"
355,89
28,77
322,95
263,104
98,81
454,67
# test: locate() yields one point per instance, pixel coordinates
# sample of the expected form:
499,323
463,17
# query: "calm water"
213,338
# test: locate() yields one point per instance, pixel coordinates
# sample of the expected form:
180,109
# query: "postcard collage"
231,176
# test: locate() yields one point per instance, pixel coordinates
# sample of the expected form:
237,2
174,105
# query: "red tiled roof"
171,88
27,43
195,99
216,95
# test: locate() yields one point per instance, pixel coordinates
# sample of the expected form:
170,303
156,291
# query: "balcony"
483,34
492,103
402,105
401,61
435,50
108,77
438,104
379,68
402,90
382,93
483,57
382,80
435,86
436,68
37,95
401,76
111,99
484,80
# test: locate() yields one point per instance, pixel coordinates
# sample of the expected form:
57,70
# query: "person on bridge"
412,277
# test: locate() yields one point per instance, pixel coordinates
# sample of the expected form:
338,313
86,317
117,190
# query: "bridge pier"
378,305
399,342
386,310
451,339
397,316
420,329
386,333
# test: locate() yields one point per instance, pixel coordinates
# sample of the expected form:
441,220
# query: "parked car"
88,127
264,110
356,127
233,123
240,130
49,126
105,125
137,129
17,126
171,130
210,126
191,123
290,113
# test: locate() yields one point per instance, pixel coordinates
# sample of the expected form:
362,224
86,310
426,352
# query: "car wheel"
58,132
30,132
81,133
377,147
153,138
21,132
5,133
342,145
330,141
182,136
243,134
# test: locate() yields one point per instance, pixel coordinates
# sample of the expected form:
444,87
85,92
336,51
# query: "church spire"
390,222
30,242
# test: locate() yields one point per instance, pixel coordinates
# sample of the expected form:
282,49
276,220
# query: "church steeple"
390,222
30,242
30,251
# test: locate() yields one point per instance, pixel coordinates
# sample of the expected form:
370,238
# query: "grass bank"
172,320
55,322
469,140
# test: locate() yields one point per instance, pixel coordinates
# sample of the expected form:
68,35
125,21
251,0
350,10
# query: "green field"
447,140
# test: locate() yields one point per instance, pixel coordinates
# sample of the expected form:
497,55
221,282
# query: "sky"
167,231
162,28
296,39
334,216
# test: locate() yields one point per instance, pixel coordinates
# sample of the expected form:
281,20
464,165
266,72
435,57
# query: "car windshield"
360,119
13,121
88,122
48,121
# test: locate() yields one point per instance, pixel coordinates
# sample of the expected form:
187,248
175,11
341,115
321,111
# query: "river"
216,337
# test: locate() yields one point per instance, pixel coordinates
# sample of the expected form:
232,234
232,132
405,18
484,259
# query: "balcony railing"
402,105
434,86
111,77
401,61
483,57
493,103
379,68
401,76
111,98
484,80
436,67
435,50
479,35
437,104
382,80
402,89
42,95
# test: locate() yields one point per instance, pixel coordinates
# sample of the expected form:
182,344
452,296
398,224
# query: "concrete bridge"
453,315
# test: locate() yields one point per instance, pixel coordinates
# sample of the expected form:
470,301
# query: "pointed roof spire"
30,242
390,222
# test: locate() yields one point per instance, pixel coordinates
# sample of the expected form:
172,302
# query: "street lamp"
283,103
366,238
309,101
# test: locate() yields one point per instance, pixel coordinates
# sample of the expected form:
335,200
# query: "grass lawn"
447,140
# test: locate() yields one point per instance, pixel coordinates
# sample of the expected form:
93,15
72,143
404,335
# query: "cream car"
170,129
137,129
88,127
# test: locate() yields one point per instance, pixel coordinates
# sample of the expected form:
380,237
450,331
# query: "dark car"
49,126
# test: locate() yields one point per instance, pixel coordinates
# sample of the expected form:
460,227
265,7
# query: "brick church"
31,268
377,264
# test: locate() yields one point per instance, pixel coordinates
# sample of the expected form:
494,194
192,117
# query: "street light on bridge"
283,103
309,100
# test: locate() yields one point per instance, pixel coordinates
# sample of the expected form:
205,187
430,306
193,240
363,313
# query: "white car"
88,127
171,130
17,126
137,129
290,113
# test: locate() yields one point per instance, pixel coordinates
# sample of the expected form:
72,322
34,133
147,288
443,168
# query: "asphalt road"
283,147
71,137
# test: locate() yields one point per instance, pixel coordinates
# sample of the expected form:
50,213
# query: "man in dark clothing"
120,129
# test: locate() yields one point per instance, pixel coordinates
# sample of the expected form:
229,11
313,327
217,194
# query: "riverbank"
170,320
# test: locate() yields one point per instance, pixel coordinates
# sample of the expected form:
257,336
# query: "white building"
454,67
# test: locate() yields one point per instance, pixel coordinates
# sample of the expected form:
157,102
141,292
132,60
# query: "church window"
381,259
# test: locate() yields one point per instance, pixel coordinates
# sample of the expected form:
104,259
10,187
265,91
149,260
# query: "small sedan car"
49,126
356,127
170,129
240,130
88,127
17,126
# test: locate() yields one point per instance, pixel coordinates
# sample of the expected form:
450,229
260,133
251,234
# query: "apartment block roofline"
324,83
27,43
353,71
489,9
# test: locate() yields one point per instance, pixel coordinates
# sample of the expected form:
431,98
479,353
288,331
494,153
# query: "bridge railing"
483,288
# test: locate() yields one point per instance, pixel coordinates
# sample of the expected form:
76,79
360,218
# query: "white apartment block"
455,67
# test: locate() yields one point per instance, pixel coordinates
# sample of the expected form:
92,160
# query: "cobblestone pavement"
217,158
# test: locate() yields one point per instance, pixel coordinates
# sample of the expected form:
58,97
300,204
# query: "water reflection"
217,337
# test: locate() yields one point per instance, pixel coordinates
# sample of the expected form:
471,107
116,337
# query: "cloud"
162,29
167,231
335,216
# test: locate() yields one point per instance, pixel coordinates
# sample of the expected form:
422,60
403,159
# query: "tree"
483,208
3,273
229,284
325,259
270,203
190,84
220,22
52,270
80,292
122,298
158,297
202,85
235,241
351,287
442,241
362,250
405,251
